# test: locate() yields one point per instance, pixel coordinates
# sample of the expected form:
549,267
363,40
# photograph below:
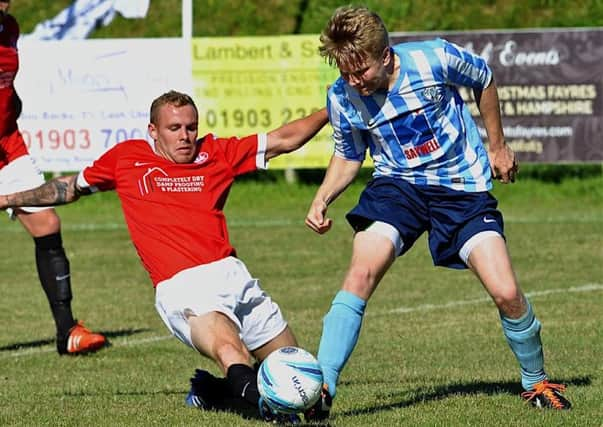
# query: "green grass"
271,17
431,352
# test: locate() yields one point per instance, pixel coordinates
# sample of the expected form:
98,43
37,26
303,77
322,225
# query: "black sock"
53,271
242,381
220,388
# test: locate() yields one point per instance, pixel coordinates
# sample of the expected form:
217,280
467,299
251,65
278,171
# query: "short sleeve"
101,174
245,154
350,143
465,68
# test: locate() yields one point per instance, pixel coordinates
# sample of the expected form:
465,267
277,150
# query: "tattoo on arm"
61,190
58,191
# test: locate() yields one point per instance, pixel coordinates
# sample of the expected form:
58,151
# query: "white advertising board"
82,97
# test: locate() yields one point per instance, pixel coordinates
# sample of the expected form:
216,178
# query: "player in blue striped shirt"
431,174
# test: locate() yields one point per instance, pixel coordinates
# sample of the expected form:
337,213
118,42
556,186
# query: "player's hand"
504,164
316,219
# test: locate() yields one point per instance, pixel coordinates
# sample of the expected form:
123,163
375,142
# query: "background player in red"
172,193
18,172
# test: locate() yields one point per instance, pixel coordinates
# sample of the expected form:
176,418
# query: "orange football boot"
81,340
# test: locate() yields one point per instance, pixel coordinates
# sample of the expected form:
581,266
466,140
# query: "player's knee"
360,280
510,302
41,223
51,221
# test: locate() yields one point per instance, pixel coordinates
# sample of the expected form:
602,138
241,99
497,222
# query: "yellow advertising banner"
246,85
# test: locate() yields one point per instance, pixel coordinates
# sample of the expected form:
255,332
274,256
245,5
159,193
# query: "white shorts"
19,175
224,286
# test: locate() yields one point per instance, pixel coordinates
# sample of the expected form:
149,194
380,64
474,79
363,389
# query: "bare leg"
284,339
372,255
490,261
215,336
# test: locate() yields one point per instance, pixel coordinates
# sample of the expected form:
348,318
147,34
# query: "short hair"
177,99
353,34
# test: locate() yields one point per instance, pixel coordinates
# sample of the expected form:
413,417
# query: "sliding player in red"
172,193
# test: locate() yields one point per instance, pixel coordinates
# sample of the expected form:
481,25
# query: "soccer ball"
290,380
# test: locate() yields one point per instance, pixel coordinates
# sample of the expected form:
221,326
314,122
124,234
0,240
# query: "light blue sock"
523,336
341,327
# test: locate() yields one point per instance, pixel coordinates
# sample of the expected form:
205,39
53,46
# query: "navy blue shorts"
450,217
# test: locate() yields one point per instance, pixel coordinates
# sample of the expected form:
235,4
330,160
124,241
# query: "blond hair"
177,99
353,35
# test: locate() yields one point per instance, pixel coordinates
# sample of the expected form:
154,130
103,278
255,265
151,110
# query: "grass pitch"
431,351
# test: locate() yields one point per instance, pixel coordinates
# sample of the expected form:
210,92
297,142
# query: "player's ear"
152,131
387,56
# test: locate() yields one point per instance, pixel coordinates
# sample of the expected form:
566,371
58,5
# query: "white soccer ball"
290,380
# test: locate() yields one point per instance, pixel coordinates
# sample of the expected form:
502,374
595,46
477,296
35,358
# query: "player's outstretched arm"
339,175
58,191
293,135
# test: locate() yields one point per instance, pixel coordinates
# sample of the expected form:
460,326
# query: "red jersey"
11,143
174,212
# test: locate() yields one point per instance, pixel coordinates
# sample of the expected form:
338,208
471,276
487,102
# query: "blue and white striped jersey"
421,130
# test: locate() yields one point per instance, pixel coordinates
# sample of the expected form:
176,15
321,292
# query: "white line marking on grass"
129,342
283,222
121,343
591,287
588,219
28,352
110,226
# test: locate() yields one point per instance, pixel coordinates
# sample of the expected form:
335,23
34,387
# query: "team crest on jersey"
433,94
201,157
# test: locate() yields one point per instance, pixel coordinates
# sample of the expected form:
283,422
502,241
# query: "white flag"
79,19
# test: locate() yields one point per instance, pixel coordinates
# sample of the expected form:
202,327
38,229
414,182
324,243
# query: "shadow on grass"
93,393
236,406
48,341
422,395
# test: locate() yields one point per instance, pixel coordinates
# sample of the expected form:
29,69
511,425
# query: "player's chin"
183,158
369,88
184,155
